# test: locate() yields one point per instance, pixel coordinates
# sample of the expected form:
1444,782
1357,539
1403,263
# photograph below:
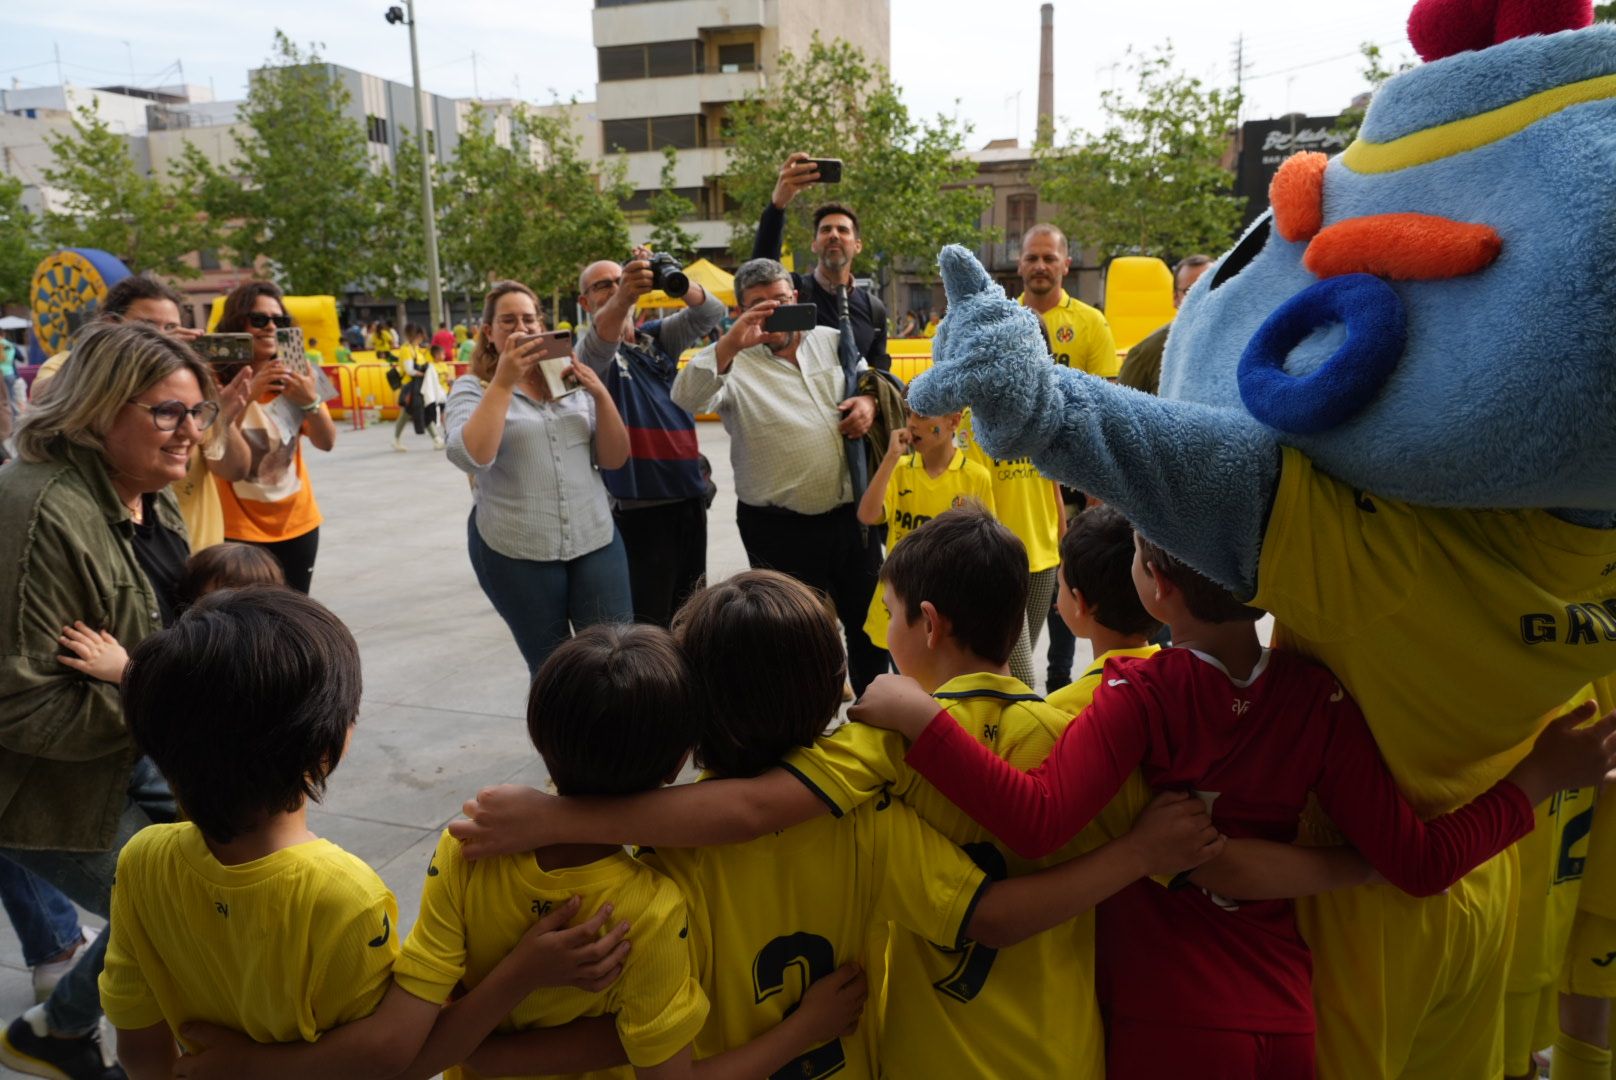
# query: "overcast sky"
946,55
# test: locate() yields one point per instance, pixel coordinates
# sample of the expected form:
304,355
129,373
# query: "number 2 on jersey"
814,958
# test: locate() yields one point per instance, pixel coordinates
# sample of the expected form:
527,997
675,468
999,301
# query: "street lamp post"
428,216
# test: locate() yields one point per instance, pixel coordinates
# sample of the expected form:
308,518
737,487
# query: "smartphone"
556,376
225,350
554,343
289,349
830,169
791,317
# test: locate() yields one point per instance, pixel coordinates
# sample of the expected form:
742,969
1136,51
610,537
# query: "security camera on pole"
394,16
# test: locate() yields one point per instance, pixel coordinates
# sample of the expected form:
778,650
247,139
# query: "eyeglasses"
511,322
604,285
169,415
258,320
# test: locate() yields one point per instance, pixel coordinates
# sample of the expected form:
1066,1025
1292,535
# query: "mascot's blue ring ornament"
66,292
1377,330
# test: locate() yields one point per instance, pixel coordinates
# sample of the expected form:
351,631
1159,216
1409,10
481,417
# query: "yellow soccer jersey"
1023,498
777,913
1076,695
913,498
281,948
1599,873
1080,337
472,914
1025,1011
1457,631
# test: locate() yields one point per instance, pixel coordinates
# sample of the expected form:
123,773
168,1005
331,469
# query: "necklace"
137,512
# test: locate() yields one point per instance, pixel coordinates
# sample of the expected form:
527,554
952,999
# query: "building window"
653,133
628,136
376,129
679,132
741,57
623,62
207,259
1021,213
641,201
662,59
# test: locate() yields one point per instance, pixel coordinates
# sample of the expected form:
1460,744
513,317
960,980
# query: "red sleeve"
1420,857
1035,813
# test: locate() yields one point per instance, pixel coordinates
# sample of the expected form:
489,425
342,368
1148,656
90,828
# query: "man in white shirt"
782,399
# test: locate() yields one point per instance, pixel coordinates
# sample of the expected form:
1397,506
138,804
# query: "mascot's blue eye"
1248,249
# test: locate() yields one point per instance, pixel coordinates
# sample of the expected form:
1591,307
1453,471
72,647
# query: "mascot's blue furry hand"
988,354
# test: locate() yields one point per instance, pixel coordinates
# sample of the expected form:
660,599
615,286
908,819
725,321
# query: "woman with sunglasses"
92,533
273,507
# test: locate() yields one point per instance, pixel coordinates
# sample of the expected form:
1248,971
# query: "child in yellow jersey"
952,1008
240,927
922,475
1097,600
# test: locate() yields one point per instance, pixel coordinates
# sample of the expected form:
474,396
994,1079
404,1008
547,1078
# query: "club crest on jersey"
1064,335
1241,706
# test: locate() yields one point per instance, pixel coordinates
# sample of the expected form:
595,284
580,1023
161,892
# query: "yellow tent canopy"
715,280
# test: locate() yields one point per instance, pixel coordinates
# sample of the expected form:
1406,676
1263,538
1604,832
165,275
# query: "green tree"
1376,70
1152,182
907,179
1605,12
20,245
301,193
668,209
397,266
108,204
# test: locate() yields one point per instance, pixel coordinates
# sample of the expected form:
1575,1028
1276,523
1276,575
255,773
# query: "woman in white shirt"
541,537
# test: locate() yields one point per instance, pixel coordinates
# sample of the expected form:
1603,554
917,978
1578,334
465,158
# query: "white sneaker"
48,974
438,443
398,444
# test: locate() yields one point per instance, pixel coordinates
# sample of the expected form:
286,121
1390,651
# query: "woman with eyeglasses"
92,533
541,537
273,506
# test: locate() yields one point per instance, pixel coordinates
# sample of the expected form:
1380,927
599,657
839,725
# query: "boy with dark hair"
1254,733
241,918
956,589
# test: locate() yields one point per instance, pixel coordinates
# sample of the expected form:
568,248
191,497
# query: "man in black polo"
837,243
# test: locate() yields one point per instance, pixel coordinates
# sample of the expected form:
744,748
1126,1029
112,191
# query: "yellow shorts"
1590,967
1531,1023
1409,988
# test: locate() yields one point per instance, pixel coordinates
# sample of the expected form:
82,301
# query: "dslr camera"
667,275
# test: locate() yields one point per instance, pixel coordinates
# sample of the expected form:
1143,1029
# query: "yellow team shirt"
1023,498
473,914
773,915
281,948
1025,1011
1080,337
1078,694
913,498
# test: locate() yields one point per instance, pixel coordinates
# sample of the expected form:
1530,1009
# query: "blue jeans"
74,1007
46,922
544,602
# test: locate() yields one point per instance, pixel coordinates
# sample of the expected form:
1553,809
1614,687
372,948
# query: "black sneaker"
28,1048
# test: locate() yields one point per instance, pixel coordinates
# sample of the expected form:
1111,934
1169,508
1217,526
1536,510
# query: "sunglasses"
258,320
169,415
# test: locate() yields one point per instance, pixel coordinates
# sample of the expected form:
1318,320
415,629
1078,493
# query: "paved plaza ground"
445,688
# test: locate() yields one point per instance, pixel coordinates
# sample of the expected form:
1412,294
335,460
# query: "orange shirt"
276,501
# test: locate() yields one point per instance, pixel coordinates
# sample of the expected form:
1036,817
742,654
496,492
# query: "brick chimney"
1046,75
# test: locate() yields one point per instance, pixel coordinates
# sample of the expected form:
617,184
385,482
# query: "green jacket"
66,552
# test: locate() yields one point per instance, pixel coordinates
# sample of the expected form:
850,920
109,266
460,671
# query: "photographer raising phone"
540,535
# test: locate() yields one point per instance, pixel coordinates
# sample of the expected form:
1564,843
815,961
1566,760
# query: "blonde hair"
485,358
110,365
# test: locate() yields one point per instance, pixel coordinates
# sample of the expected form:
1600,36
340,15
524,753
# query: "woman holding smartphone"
273,507
540,536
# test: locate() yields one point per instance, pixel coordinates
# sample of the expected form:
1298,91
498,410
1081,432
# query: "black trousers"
828,552
296,557
667,555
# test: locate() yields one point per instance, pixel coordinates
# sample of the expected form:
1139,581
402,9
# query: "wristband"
312,407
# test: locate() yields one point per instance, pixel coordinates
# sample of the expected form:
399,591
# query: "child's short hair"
244,704
610,710
1206,599
769,668
1097,560
229,565
973,570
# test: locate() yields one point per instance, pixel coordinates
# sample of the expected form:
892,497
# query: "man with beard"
1079,336
837,243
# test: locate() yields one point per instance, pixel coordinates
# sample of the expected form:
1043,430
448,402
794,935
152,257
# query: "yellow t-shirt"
773,915
1025,1011
1080,337
913,498
1458,632
1599,872
472,914
1078,694
1023,498
281,948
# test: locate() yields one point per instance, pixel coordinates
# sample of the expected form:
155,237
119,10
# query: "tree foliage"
668,209
907,179
1605,12
108,204
397,265
1152,182
301,192
20,244
1376,70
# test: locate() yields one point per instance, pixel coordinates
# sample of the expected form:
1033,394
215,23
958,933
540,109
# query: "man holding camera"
837,242
659,498
782,397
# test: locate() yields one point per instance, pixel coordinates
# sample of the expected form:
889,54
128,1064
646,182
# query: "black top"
162,553
868,315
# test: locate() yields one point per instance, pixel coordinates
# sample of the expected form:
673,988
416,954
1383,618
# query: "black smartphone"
225,350
789,317
830,169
